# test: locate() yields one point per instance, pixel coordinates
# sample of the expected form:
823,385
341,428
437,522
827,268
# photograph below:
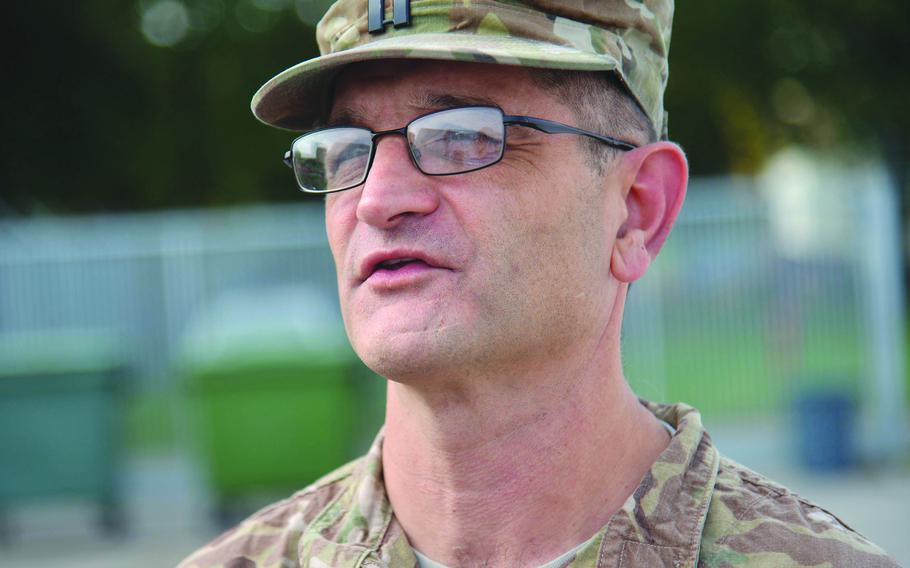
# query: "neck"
497,475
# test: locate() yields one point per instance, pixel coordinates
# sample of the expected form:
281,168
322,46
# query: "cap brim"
295,98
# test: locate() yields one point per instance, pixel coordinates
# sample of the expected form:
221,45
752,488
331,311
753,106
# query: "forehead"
393,87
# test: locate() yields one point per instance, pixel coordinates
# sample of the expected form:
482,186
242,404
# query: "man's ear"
654,187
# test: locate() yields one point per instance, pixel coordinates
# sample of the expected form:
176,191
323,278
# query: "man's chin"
411,357
394,365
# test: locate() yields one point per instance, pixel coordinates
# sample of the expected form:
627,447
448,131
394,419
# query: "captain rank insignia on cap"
401,15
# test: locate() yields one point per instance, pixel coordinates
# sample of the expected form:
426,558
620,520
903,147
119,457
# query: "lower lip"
408,275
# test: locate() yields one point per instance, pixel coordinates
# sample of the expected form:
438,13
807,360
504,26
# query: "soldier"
497,174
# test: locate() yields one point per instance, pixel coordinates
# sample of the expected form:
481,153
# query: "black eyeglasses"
441,143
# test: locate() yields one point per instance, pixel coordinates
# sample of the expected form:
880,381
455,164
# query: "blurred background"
171,357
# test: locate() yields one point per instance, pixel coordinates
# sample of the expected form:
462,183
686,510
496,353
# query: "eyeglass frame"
540,124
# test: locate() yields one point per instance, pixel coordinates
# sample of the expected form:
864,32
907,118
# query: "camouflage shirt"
693,508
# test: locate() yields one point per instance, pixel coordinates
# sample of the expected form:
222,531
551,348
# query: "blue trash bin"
824,423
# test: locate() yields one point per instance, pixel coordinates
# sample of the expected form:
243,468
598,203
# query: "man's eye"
460,142
465,137
353,153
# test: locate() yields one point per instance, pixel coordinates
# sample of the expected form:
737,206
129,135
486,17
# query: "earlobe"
630,256
656,178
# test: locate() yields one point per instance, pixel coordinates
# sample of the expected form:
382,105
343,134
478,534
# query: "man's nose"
394,188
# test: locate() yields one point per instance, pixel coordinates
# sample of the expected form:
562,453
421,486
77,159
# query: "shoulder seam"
737,519
771,488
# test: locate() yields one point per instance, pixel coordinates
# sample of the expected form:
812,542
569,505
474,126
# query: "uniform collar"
660,524
358,528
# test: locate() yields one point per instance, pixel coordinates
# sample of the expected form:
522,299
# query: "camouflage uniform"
692,508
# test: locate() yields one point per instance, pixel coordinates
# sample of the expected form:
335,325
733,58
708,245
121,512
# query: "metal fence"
755,298
145,279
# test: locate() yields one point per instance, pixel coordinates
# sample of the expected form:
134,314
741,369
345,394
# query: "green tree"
143,105
750,77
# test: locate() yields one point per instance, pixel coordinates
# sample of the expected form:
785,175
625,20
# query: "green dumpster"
60,412
272,413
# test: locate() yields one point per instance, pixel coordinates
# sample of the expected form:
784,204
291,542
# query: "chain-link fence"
755,301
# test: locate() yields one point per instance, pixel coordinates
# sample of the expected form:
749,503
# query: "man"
497,176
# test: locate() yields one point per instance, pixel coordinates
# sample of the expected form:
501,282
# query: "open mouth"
398,263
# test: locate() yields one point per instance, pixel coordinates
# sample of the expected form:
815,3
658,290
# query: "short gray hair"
602,104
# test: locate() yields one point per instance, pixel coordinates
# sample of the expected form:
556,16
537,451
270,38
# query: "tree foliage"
750,77
144,105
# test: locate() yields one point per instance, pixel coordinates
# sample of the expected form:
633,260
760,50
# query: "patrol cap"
628,37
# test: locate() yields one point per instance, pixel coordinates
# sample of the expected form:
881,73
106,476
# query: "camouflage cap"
628,37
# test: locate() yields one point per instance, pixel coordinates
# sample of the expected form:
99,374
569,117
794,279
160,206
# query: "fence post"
881,260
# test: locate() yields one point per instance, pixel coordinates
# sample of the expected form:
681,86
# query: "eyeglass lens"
446,142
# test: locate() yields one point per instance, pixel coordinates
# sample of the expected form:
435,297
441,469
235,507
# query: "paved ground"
167,511
168,514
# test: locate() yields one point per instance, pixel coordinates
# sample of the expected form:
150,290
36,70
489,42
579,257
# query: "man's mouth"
397,263
403,264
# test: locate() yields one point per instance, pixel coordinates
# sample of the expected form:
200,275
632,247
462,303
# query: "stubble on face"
525,238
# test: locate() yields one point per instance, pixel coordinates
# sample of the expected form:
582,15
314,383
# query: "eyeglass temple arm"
551,127
287,160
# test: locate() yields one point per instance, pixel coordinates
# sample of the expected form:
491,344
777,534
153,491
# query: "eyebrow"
432,100
428,101
346,116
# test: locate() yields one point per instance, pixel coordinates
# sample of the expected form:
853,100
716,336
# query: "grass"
749,373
